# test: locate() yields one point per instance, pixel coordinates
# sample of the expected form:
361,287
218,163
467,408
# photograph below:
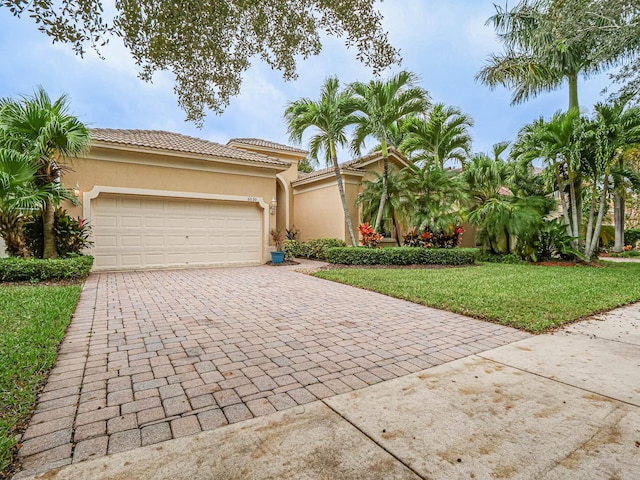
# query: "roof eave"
281,151
325,176
274,164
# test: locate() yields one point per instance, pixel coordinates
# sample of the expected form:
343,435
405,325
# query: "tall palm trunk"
593,241
49,236
575,180
618,220
385,180
343,196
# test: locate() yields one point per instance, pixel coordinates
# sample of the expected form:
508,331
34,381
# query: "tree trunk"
575,215
343,196
397,231
592,208
618,220
573,92
49,236
574,104
565,206
598,227
385,179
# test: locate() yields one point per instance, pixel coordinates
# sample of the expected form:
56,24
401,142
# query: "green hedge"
314,248
401,256
36,270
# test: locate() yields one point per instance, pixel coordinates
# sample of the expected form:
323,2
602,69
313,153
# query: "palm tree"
612,130
536,59
329,117
19,195
394,208
47,131
555,143
433,196
622,133
500,215
380,105
443,136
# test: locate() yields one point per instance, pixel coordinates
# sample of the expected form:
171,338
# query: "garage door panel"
153,240
153,232
131,241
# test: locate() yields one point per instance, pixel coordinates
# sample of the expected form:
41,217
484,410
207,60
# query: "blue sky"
445,43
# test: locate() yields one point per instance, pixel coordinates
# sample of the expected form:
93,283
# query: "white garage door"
132,231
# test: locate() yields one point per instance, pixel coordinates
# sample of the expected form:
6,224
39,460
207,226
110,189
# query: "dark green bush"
631,236
72,234
316,248
494,258
401,256
313,249
35,269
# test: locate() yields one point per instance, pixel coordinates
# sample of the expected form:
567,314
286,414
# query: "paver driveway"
151,356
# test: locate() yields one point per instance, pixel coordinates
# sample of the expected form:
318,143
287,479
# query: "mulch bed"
559,263
392,267
285,263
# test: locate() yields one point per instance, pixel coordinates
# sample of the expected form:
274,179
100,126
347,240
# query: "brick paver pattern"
155,355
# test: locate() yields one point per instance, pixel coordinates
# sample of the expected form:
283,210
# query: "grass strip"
528,297
33,320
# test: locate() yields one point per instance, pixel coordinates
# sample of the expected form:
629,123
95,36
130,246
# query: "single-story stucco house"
156,199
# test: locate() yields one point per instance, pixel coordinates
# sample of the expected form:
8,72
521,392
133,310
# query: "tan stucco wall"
157,172
288,175
128,169
318,212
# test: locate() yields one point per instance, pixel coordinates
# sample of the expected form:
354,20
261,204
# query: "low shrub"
626,254
292,248
632,236
449,238
495,258
401,256
312,249
316,248
72,234
36,270
370,238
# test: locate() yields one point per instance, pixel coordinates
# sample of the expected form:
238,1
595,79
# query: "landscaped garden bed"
528,297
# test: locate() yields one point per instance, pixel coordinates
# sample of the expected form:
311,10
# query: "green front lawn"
529,297
33,320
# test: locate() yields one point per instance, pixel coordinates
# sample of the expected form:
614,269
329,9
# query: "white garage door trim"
98,189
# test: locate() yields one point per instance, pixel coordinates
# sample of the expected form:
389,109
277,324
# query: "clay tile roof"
162,140
267,144
350,166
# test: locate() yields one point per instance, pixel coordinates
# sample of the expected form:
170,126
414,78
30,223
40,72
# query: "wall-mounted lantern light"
274,204
76,190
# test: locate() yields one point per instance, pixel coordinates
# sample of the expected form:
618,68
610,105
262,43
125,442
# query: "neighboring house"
157,199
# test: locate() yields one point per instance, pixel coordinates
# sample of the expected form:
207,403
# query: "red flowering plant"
428,239
370,238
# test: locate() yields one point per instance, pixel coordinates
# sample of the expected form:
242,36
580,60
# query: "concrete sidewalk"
561,406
